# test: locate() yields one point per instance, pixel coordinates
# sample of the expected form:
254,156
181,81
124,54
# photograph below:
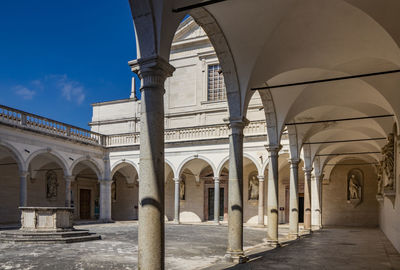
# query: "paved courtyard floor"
187,247
203,246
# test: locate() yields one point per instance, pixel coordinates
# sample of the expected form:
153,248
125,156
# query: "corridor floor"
330,248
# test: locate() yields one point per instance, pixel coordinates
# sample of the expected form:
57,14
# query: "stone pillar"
68,181
273,188
294,199
235,189
261,200
177,201
307,200
23,188
216,200
152,72
315,203
105,200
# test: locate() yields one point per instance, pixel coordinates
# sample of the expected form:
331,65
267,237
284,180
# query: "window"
216,86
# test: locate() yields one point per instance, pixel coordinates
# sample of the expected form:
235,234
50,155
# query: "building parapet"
24,120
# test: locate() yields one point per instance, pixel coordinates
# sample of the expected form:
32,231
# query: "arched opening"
169,191
124,192
9,187
85,190
46,184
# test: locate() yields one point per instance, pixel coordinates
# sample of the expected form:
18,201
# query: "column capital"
294,161
307,170
69,178
176,179
236,124
273,149
152,71
216,179
23,173
105,181
260,178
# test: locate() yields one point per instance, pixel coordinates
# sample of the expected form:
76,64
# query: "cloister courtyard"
203,246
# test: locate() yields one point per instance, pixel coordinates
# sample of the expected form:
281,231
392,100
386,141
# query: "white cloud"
24,92
70,90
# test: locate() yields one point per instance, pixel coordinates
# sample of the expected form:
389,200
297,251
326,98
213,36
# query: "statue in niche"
182,187
114,190
388,161
51,185
354,187
380,179
253,187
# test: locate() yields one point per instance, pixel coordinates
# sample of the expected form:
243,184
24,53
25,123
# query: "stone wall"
336,210
125,203
9,194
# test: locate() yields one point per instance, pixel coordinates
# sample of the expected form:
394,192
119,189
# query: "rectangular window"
216,86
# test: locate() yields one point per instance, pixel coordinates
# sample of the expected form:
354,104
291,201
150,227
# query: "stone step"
48,237
91,237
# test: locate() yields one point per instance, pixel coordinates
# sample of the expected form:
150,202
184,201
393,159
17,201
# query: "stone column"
315,203
23,188
307,200
68,181
105,200
216,200
177,201
152,72
272,204
294,199
235,189
260,200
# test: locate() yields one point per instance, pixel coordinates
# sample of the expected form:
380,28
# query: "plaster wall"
9,194
192,208
125,206
335,208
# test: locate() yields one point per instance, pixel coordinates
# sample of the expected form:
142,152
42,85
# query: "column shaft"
216,200
235,204
152,71
68,181
23,188
307,200
272,205
315,203
105,200
177,201
260,200
294,199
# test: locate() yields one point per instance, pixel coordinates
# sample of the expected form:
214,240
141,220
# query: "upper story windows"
216,86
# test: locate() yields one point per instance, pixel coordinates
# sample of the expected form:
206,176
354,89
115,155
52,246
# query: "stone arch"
221,46
116,166
91,163
201,157
58,159
174,171
22,166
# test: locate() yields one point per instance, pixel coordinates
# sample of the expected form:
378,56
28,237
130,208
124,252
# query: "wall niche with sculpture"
355,187
253,187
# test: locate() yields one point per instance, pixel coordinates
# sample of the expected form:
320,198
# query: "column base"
236,257
306,231
293,236
260,226
316,227
106,220
176,222
217,222
273,243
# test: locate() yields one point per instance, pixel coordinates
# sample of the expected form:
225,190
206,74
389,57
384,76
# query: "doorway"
301,208
211,203
84,203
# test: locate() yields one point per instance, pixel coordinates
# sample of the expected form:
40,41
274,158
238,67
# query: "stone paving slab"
331,248
187,247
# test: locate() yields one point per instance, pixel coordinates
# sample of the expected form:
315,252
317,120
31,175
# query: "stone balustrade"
21,119
18,118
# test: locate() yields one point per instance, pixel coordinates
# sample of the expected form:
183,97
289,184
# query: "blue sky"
59,56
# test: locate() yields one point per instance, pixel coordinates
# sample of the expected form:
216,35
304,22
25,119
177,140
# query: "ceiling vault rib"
201,4
340,119
351,164
346,154
345,141
327,80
